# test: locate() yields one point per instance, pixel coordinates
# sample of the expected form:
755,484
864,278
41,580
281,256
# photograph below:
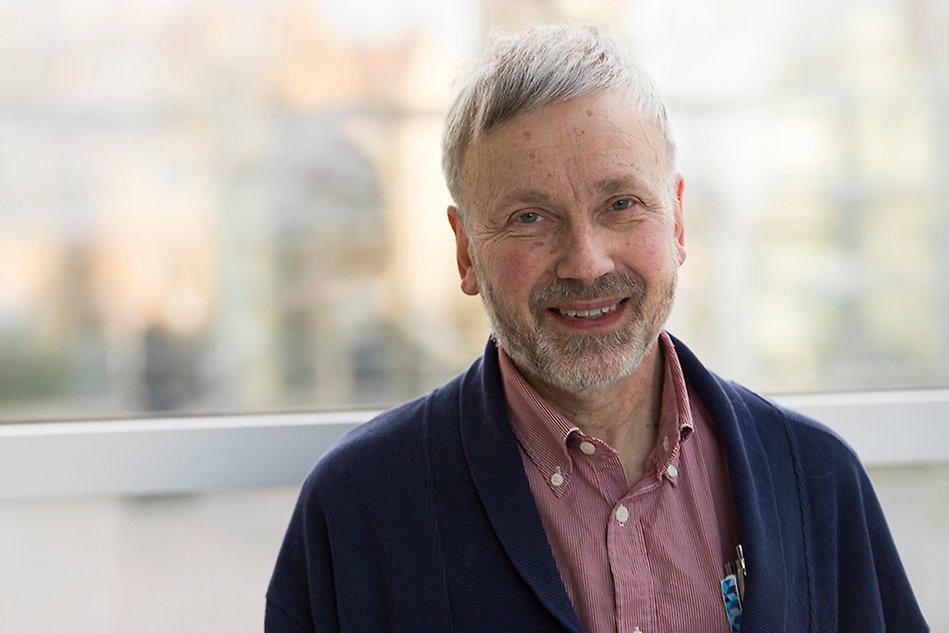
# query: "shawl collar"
762,509
496,468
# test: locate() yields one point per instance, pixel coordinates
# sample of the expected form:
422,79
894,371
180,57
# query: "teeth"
588,314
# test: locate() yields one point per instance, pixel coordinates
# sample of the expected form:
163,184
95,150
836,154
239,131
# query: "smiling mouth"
588,314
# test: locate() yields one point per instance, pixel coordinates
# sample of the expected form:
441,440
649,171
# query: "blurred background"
222,207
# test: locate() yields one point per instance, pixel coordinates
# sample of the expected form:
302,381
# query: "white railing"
180,455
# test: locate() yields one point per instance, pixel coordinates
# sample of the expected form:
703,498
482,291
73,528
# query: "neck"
625,414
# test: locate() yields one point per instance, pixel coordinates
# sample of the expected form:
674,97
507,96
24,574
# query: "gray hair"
541,65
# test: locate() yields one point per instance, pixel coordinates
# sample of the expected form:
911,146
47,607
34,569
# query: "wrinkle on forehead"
564,160
556,125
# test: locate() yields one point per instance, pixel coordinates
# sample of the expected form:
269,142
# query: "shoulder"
815,443
389,454
366,509
372,449
743,416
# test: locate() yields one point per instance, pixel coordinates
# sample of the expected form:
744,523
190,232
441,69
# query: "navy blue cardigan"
422,520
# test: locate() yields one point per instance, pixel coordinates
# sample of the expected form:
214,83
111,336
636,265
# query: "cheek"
651,255
518,268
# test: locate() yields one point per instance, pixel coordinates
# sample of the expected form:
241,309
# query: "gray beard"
576,363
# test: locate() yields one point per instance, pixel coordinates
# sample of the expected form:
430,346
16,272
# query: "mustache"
609,285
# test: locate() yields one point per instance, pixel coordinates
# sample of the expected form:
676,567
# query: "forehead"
578,143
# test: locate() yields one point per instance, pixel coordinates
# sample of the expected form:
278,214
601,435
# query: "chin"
591,365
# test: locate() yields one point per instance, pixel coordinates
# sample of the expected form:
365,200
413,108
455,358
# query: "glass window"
213,206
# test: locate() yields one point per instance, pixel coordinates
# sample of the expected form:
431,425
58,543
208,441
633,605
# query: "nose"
584,253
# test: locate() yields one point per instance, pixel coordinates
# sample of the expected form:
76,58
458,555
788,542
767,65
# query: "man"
587,473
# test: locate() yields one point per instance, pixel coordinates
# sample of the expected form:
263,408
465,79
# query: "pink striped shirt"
649,557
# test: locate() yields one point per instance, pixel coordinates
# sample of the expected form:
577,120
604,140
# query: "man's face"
573,237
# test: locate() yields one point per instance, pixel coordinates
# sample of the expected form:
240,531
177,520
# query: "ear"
679,219
469,280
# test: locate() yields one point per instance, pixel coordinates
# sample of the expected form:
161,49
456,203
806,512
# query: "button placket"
634,591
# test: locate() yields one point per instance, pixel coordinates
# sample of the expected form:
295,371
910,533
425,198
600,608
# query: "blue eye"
622,204
528,218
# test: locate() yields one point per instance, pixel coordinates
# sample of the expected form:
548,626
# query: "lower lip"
604,322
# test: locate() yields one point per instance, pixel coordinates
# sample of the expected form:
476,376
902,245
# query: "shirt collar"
544,434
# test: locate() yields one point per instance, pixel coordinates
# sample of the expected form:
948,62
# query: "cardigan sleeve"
859,582
361,552
300,597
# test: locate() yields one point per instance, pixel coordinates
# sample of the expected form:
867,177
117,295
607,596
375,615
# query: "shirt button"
672,471
587,447
556,479
622,514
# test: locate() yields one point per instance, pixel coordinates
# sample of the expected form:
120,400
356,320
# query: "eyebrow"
628,184
615,185
524,196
